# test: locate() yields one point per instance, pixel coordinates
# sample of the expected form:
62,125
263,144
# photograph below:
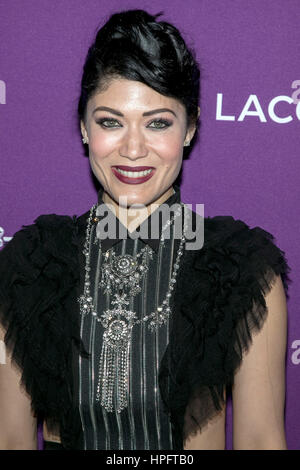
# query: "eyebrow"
147,113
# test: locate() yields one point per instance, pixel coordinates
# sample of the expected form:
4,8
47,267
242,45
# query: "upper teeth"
134,174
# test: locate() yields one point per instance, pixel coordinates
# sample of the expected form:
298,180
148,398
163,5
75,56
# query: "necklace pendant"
112,389
123,271
117,334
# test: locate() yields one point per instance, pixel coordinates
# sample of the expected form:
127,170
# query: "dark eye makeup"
163,123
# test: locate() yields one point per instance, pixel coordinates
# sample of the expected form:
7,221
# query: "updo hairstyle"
132,44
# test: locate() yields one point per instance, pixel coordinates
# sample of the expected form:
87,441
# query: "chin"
132,197
134,201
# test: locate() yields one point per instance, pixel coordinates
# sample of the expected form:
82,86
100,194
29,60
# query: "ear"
191,130
83,130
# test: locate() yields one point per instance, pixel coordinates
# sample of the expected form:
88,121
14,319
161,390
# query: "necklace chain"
119,321
86,300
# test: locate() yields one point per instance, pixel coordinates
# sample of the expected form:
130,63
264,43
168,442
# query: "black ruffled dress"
218,305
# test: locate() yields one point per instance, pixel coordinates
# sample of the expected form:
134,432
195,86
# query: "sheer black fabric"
38,280
217,307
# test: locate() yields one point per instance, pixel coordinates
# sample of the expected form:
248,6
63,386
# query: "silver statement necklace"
122,273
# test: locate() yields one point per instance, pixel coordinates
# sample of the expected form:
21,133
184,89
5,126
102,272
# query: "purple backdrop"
245,163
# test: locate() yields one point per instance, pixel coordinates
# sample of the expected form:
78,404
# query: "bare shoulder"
258,393
18,425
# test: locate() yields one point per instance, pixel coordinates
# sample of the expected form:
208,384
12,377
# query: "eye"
162,124
111,123
109,120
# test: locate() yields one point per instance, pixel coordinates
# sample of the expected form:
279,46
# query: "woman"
133,341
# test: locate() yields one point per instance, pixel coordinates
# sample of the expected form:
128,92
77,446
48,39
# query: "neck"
131,217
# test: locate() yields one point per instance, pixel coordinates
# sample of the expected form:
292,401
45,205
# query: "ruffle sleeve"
218,306
38,274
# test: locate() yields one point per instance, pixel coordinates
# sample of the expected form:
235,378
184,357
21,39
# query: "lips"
129,178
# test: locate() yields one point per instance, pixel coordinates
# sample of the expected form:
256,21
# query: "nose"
133,145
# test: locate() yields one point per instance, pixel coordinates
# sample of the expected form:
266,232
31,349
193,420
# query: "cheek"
101,146
170,151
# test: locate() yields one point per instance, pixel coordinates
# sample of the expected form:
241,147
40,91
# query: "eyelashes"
163,123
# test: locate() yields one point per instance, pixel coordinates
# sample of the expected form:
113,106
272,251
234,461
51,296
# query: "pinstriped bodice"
143,424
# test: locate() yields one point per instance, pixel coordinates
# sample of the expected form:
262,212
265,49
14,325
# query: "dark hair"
133,45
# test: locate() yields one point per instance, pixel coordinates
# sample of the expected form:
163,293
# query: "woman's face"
132,128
